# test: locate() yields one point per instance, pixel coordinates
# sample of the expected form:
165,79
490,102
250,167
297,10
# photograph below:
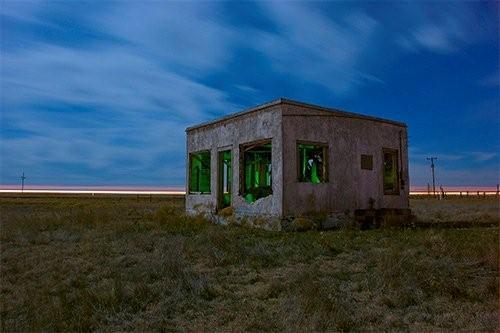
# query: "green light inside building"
199,172
390,171
257,172
312,163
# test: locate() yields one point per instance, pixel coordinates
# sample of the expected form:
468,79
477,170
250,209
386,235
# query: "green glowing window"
312,162
199,172
256,167
390,171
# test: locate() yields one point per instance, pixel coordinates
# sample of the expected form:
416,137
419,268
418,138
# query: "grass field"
115,264
471,211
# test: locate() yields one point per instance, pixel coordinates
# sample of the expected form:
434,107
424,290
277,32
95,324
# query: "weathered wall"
349,186
264,124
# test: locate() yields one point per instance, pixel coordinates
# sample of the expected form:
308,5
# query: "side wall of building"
349,187
229,135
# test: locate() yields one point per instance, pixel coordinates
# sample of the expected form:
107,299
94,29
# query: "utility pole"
432,159
22,183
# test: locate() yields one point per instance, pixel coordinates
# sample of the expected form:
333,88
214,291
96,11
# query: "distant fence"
90,194
94,192
461,194
441,193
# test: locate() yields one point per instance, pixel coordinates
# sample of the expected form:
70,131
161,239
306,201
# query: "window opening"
225,177
367,162
390,171
312,159
257,171
199,165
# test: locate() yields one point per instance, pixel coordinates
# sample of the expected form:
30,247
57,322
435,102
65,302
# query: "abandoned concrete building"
285,159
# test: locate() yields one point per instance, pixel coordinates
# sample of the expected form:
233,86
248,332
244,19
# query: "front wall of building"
349,187
230,134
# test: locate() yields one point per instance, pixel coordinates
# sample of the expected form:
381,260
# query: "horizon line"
181,189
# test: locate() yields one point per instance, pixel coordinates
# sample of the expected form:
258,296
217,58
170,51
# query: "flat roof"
334,112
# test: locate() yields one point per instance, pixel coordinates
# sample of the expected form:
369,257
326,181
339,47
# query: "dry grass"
473,210
123,264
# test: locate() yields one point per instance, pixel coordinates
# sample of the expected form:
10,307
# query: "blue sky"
99,93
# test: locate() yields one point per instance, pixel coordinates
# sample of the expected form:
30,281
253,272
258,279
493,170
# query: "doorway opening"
224,179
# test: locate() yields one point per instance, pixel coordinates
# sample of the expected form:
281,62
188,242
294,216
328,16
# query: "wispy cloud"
110,108
184,37
434,37
480,156
246,89
461,168
420,174
443,27
475,156
319,49
119,105
95,92
492,80
25,11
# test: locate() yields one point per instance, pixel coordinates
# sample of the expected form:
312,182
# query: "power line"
22,182
432,159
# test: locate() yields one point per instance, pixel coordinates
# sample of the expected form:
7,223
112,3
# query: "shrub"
226,212
302,224
175,220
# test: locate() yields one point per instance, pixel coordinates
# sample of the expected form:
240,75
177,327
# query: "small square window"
312,162
366,162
